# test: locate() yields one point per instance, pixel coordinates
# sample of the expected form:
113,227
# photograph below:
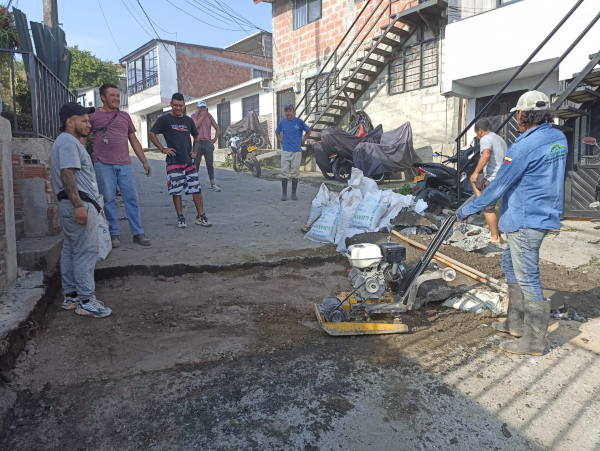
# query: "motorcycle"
241,146
436,182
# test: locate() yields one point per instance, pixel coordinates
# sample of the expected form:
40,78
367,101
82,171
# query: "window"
319,94
143,72
81,100
305,12
268,45
259,73
250,104
414,67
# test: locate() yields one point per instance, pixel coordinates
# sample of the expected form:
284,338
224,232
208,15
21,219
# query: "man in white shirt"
493,150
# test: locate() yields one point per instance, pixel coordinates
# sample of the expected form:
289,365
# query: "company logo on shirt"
179,128
297,127
557,150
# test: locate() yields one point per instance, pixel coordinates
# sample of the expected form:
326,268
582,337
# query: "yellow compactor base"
360,328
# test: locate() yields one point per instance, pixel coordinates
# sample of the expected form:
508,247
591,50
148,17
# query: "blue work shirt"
531,179
292,133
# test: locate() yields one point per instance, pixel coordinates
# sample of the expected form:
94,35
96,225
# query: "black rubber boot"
284,189
516,310
294,188
535,326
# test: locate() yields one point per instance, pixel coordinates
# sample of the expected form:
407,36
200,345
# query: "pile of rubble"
362,208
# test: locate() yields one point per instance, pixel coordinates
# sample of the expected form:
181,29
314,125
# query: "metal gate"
499,111
283,98
583,167
224,121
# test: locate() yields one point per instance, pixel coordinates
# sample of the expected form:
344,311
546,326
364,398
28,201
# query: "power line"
135,18
109,30
154,29
225,6
199,20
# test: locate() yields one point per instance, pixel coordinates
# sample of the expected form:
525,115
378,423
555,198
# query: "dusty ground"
236,360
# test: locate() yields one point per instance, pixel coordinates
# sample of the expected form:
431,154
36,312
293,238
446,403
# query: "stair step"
592,79
381,52
584,95
562,128
356,80
570,112
352,90
330,114
387,41
395,30
362,70
371,61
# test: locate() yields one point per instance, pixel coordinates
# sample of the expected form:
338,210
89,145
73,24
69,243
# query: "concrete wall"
480,48
8,241
35,201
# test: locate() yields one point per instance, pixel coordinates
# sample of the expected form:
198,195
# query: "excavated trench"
217,352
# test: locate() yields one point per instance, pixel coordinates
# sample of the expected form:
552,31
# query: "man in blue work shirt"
292,142
531,179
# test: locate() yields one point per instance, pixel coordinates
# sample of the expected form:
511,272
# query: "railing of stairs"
479,115
337,70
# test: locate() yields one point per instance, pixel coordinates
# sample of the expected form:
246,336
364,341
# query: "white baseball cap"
532,101
201,103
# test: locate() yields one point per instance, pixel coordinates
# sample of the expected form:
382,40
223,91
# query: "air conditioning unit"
297,87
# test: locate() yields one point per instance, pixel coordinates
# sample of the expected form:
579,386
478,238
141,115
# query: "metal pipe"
499,93
454,264
568,91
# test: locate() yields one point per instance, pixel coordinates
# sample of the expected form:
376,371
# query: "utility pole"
51,15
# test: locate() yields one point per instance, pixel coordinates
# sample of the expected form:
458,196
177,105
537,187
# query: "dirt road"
235,360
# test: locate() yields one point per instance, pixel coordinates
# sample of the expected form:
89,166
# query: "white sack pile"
359,208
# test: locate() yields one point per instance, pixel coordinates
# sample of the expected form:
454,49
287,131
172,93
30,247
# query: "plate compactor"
382,288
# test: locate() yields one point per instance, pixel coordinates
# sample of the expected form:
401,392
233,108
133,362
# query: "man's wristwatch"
162,150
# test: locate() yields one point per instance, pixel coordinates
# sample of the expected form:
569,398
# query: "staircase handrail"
350,28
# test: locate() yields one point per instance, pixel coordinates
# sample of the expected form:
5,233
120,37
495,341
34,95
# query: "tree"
88,70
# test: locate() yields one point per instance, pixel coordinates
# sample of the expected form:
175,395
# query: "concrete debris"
478,301
567,315
468,237
409,218
418,230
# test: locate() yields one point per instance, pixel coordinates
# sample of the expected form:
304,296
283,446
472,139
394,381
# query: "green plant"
9,38
227,163
405,189
268,166
89,70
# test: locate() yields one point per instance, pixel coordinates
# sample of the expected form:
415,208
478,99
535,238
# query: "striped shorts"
182,176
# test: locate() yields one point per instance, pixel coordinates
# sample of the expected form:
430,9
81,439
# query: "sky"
85,26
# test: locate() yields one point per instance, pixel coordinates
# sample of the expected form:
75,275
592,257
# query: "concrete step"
20,228
39,254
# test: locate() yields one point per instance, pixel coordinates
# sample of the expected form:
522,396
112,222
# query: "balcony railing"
31,95
463,9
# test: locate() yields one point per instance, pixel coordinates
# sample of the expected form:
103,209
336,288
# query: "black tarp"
394,153
249,122
337,141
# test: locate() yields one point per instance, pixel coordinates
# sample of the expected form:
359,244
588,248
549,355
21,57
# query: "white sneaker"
93,308
70,302
215,188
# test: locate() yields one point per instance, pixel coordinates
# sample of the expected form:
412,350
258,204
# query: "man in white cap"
204,123
531,179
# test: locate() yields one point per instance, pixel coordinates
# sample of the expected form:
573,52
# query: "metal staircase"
356,63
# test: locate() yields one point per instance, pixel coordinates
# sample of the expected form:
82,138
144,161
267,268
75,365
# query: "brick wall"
28,167
202,71
317,40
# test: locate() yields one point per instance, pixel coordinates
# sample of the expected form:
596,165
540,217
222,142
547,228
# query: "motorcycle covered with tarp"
393,153
333,153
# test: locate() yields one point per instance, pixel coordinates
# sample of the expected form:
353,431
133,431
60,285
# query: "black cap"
72,109
288,106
